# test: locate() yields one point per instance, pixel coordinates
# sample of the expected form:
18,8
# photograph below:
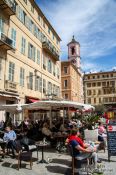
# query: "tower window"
73,50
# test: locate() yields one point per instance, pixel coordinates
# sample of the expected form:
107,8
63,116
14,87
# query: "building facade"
29,53
71,76
100,88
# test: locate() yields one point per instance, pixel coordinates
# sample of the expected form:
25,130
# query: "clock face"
74,61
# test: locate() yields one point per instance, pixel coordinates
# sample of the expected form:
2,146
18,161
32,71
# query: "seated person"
46,131
9,138
81,149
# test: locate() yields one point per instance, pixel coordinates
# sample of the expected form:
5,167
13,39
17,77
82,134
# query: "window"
44,62
89,100
58,73
31,51
94,100
99,84
30,85
53,36
23,45
37,32
73,50
25,1
29,23
103,83
44,86
93,84
94,92
93,77
32,9
44,24
36,83
13,37
11,71
65,96
40,84
99,100
49,66
49,88
54,70
1,25
39,17
38,57
88,84
65,83
54,89
99,92
48,30
22,71
21,14
0,68
88,92
65,70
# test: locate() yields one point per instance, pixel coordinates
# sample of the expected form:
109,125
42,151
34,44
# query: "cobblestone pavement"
59,164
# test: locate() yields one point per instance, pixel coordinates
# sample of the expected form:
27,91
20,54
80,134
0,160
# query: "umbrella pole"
50,117
63,116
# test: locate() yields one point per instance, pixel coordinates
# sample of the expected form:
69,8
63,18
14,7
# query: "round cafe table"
42,145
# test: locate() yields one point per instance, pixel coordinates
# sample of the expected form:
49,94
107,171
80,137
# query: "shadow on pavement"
61,161
58,169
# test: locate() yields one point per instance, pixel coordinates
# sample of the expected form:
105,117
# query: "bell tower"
74,53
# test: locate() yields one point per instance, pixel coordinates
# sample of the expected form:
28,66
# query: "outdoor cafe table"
42,145
3,146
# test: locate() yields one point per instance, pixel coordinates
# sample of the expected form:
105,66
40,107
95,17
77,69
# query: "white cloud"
93,22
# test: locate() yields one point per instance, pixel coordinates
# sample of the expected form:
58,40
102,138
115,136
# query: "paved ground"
59,165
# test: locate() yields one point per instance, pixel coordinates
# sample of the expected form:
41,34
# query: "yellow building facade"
100,88
30,68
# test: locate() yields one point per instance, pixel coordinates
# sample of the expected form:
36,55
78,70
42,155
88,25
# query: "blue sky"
93,22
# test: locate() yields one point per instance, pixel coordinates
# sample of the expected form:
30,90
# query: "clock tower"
74,53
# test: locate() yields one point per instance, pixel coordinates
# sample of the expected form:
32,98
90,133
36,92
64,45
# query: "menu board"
111,139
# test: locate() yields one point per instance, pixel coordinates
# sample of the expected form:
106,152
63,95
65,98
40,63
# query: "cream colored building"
71,76
100,88
29,53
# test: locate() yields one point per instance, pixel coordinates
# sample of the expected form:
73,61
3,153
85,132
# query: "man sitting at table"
82,149
9,138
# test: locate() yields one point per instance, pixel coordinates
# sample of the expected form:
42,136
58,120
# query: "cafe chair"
25,156
77,161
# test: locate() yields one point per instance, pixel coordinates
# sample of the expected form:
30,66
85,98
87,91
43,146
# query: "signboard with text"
111,139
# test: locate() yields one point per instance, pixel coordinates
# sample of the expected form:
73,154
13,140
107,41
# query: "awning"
33,100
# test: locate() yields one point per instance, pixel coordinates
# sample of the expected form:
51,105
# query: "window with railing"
21,14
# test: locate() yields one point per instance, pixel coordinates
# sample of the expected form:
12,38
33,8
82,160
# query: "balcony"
10,86
5,42
8,7
50,50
